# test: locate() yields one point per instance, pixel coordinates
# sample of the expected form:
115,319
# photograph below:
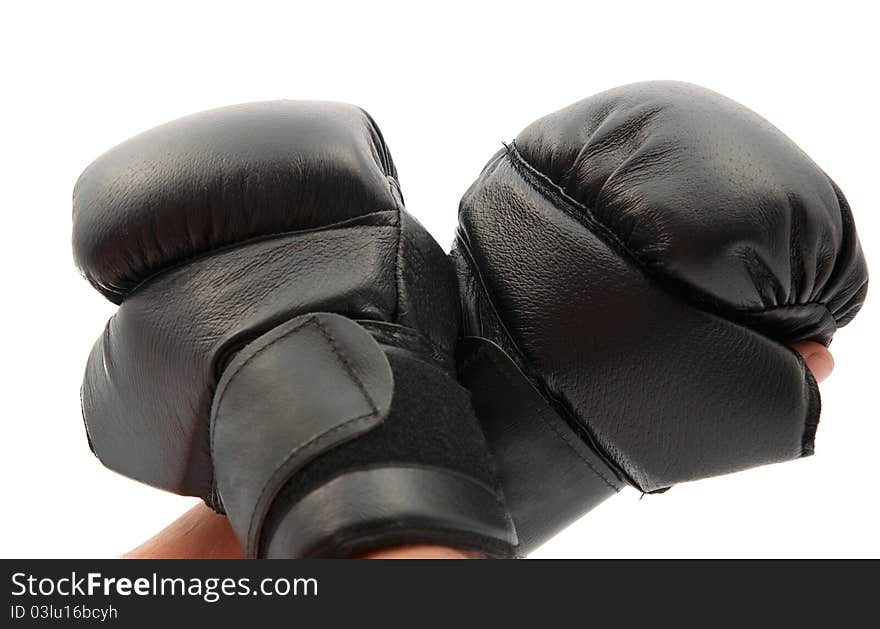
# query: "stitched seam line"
271,481
550,189
572,417
322,329
483,289
349,223
814,411
330,340
314,441
244,363
547,422
397,258
345,364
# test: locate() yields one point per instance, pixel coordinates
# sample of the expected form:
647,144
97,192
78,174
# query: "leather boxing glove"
283,346
632,268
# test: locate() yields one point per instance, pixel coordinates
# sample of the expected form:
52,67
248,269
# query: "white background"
446,85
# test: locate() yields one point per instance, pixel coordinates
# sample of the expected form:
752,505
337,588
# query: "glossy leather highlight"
283,323
640,259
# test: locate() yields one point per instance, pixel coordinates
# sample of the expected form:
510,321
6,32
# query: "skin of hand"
202,534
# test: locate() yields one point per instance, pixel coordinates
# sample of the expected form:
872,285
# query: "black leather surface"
217,234
220,177
526,435
712,200
643,256
150,378
313,383
365,509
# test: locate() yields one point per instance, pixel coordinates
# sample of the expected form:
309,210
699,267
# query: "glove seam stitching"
482,356
568,414
312,320
122,295
314,441
398,257
317,438
549,188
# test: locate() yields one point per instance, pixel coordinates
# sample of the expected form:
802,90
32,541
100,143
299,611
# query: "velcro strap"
297,391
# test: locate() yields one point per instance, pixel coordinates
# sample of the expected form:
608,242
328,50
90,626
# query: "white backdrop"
446,85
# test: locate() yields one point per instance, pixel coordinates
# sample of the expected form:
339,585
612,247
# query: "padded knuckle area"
221,177
705,193
684,393
283,326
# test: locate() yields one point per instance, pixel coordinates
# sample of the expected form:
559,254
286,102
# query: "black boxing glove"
632,269
283,346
